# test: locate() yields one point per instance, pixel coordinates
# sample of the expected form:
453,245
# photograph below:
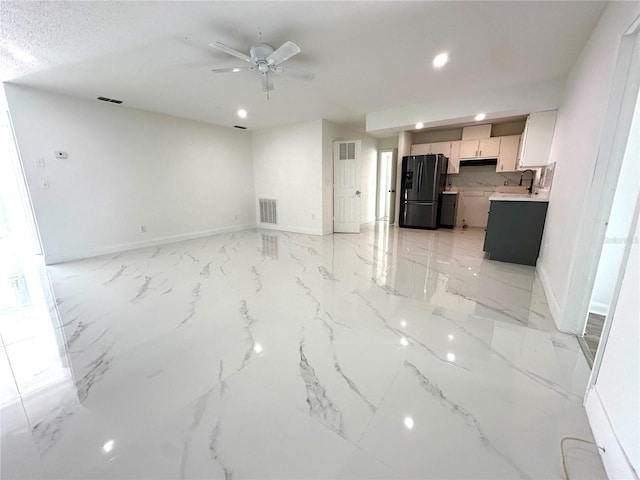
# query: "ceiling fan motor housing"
260,52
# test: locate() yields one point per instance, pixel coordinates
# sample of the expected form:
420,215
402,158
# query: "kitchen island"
515,226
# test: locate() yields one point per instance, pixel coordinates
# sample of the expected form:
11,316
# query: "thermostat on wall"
61,154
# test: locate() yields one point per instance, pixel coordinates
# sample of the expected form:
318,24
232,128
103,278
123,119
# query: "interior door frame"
632,41
392,186
599,198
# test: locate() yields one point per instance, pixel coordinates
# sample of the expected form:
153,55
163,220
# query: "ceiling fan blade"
290,72
267,83
232,69
285,52
231,51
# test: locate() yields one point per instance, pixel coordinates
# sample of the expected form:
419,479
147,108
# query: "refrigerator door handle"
419,176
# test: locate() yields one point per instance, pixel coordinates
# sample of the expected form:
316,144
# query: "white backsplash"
483,177
475,185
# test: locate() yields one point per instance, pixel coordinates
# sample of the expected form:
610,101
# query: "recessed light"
408,422
440,60
480,116
242,113
235,70
107,447
419,125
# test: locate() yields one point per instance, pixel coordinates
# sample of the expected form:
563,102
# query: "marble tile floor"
259,354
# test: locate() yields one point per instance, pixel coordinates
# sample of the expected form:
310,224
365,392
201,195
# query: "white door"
346,186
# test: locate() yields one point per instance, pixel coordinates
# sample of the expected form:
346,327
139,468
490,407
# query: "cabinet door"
441,147
489,147
508,153
421,149
537,138
454,159
469,148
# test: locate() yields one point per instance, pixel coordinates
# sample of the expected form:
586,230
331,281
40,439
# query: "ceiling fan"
266,61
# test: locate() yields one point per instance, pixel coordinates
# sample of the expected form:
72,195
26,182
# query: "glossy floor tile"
260,354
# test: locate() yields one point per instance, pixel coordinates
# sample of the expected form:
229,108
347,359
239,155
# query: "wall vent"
109,100
268,210
240,127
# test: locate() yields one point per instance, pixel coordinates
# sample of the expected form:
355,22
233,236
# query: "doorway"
619,232
618,205
386,192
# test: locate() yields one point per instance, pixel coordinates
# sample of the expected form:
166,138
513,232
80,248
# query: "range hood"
477,162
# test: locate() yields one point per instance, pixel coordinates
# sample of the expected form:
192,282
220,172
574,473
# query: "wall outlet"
235,217
313,216
45,184
143,229
40,162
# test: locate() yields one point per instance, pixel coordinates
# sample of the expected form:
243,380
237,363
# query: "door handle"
358,192
392,191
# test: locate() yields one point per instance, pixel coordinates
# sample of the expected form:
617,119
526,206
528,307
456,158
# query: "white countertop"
518,197
450,192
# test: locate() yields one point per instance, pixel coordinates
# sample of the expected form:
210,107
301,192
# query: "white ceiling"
367,56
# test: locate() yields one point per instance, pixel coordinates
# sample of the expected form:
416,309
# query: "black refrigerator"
424,178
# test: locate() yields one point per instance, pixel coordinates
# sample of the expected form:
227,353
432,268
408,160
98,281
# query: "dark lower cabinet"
448,210
514,231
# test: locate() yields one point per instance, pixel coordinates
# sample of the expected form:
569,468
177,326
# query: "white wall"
388,142
576,143
405,140
368,172
613,404
127,168
287,166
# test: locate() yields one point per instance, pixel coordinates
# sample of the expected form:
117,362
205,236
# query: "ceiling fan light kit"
266,61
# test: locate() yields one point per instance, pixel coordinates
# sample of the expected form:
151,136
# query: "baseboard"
599,308
52,259
552,301
290,228
614,458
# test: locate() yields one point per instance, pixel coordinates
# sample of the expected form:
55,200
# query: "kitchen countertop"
518,197
450,192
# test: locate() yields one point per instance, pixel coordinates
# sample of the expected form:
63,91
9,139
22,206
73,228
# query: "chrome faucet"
533,175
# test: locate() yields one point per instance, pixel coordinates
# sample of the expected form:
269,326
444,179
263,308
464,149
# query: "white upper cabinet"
483,148
535,145
507,159
451,150
421,149
441,147
469,148
489,147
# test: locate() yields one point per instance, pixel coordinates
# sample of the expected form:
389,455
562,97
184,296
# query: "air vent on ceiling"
109,100
240,127
268,210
